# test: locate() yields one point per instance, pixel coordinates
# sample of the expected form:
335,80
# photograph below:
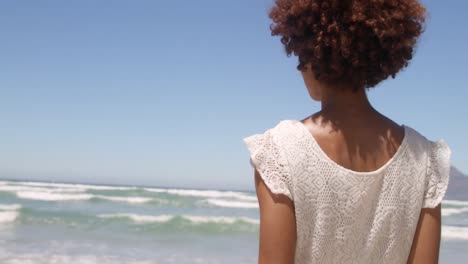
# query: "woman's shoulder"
287,130
280,135
282,128
419,142
284,134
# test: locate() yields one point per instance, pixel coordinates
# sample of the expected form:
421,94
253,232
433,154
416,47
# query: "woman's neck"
345,103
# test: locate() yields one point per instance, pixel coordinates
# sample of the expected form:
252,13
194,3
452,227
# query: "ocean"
82,223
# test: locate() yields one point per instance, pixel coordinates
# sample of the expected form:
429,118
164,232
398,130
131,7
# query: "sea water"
83,223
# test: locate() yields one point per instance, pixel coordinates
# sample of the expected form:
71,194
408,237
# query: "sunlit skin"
356,136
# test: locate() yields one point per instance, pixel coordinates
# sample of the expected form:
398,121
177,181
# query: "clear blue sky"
162,92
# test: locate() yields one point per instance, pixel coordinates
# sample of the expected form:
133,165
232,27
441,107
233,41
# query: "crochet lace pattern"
345,216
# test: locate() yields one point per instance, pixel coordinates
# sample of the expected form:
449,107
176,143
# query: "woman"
347,184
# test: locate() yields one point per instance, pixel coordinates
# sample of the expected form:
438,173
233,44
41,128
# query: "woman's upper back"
348,216
363,144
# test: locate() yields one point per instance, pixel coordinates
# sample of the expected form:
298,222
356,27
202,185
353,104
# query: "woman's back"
348,216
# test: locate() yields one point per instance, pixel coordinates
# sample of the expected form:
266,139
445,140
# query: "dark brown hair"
356,42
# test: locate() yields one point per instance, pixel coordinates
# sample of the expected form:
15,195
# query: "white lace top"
345,216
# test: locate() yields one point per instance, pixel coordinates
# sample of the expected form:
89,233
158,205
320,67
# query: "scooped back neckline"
322,153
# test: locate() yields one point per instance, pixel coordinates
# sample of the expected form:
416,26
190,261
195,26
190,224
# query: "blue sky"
162,92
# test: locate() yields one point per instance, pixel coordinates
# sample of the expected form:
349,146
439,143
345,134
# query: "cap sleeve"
269,160
437,175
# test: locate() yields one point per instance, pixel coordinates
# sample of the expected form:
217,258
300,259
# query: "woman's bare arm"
277,226
426,242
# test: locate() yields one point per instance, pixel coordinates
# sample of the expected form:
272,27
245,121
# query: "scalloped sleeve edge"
267,158
438,173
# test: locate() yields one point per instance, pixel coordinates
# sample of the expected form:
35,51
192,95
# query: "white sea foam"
105,188
71,187
49,257
219,219
192,218
248,198
76,186
130,199
10,207
18,188
140,218
12,188
9,212
453,211
205,193
455,202
232,204
50,196
454,232
8,216
81,259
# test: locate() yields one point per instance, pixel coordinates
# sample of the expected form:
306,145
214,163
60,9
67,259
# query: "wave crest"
204,193
8,216
453,211
9,213
232,204
137,218
454,232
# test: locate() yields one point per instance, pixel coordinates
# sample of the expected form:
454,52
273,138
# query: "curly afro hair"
353,42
